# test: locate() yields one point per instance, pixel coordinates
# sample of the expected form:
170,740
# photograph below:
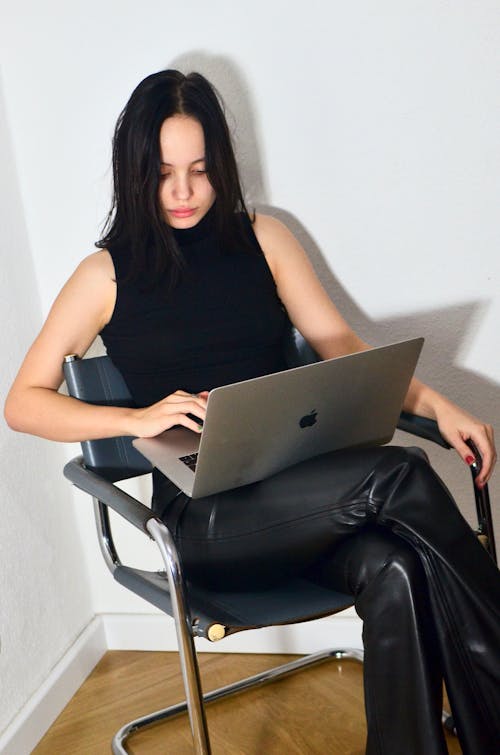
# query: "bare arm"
319,321
34,405
455,424
310,308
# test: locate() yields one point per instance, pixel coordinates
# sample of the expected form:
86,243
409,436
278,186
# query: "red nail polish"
470,460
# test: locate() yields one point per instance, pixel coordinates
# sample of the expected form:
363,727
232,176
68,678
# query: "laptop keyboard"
190,460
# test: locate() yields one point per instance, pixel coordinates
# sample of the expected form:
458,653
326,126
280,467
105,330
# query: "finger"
191,424
461,447
193,411
185,421
487,470
469,457
180,396
188,404
486,448
187,393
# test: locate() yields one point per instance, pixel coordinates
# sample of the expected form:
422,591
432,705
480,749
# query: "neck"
199,231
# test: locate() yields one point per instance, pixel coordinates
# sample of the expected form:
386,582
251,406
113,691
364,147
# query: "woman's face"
186,194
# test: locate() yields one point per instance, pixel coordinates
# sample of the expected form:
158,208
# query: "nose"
182,187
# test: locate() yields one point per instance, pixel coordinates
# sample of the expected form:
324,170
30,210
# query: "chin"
189,221
183,222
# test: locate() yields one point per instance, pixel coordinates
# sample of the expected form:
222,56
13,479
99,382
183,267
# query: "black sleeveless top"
223,322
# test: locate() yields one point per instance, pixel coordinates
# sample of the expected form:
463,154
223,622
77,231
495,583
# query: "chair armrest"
124,504
423,427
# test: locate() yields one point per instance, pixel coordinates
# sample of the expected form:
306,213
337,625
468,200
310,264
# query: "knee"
412,457
401,477
402,572
391,591
383,562
417,455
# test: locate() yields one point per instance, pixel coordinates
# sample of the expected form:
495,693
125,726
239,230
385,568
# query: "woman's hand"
457,426
170,411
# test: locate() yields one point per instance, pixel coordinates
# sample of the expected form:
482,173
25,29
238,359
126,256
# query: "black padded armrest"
128,507
423,427
97,381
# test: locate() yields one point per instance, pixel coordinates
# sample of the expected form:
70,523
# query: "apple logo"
308,419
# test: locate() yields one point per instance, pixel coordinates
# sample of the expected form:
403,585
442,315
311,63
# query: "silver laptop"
258,427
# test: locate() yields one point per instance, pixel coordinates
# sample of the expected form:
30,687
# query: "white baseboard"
41,710
157,632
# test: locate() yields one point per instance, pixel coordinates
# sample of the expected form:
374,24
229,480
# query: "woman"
189,293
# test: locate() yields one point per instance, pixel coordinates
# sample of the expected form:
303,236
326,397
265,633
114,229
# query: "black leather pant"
379,524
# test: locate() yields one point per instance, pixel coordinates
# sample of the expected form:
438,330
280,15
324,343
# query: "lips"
182,212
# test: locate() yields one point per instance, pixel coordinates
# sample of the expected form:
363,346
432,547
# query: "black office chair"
199,612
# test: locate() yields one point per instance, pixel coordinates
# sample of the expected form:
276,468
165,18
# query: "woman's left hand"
457,426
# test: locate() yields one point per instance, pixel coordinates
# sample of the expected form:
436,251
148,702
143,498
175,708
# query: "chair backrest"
97,381
296,349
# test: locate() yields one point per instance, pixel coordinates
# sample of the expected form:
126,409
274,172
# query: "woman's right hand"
170,411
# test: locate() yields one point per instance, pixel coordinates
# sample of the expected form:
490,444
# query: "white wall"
45,598
370,127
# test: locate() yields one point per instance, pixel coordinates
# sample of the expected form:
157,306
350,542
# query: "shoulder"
92,285
98,264
95,272
269,229
277,242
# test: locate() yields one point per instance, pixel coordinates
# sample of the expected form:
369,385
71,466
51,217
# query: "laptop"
256,428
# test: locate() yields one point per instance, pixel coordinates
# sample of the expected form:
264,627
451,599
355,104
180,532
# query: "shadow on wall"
447,330
232,85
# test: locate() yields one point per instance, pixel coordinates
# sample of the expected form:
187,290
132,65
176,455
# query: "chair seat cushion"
289,602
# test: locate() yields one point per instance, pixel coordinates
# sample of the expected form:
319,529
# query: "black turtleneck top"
223,322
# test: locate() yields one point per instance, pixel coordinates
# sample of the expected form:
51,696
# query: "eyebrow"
198,160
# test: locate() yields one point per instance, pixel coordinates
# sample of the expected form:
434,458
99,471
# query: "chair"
199,612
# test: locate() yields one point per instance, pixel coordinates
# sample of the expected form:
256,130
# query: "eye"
163,176
199,172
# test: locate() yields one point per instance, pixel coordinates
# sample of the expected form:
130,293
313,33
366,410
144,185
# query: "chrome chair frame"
107,495
190,620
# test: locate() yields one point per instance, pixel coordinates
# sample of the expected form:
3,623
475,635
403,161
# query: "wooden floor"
319,710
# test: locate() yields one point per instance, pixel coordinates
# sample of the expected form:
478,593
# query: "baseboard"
41,710
157,632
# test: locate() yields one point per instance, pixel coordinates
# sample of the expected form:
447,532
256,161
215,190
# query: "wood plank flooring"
319,710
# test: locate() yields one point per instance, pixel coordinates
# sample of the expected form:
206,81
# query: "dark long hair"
136,220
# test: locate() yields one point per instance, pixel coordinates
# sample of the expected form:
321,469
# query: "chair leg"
241,685
185,642
195,699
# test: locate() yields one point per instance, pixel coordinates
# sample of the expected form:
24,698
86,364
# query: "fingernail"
470,460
